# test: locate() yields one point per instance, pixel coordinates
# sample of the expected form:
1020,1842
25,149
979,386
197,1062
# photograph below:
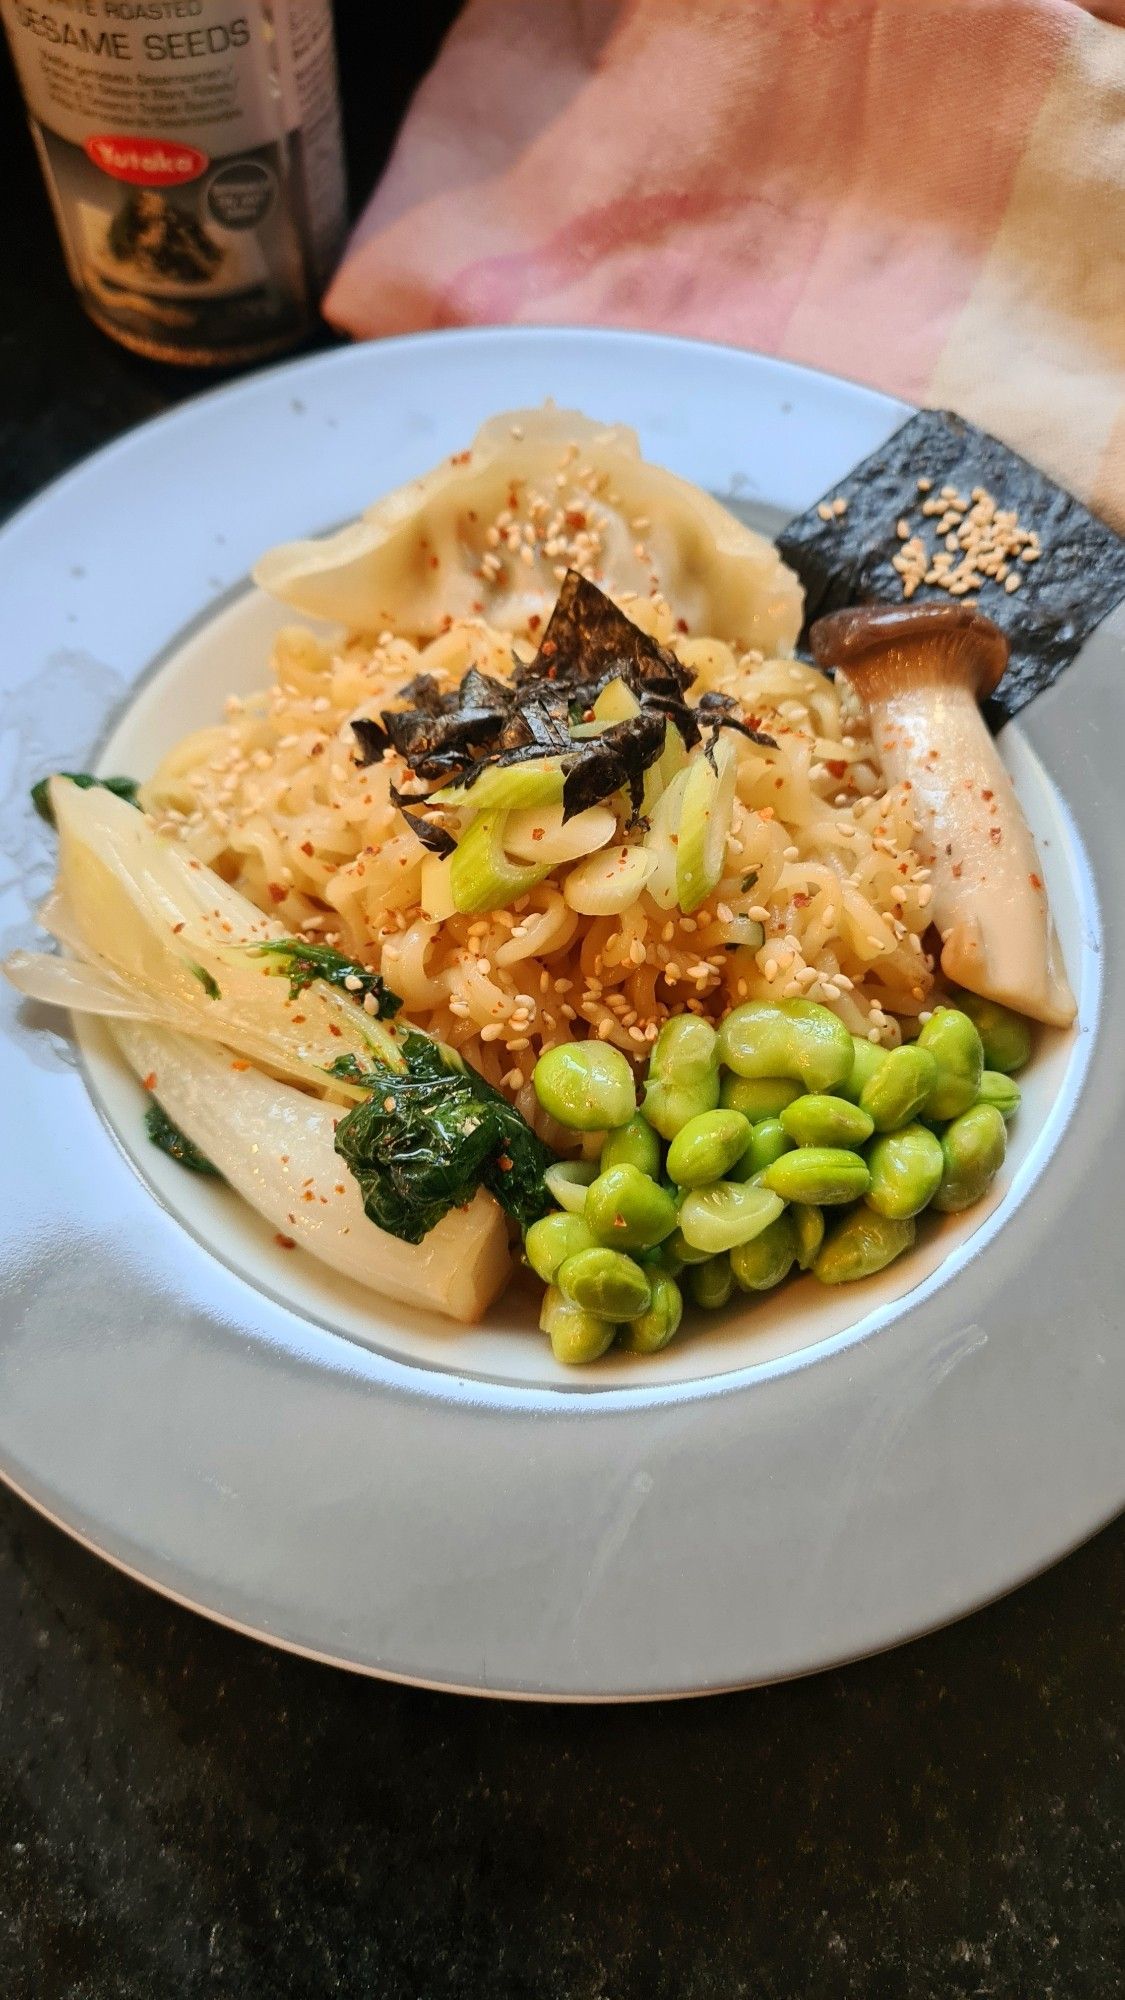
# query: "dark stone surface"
185,1815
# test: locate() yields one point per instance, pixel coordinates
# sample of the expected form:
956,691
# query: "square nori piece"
1078,579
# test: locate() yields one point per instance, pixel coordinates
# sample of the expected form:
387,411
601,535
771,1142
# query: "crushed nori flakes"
166,1135
485,723
431,835
1061,599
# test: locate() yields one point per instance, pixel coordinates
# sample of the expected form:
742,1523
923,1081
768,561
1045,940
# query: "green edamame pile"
776,1143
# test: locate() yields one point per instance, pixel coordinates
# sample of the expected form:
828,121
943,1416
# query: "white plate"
807,1481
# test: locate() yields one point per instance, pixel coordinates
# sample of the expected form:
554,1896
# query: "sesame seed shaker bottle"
192,153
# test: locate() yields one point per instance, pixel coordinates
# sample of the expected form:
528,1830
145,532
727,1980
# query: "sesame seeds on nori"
1070,583
485,723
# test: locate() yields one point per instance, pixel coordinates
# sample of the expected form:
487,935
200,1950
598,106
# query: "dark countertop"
184,1813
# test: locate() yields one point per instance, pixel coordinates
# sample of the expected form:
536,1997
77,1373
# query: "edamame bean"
605,1282
955,1045
627,1211
790,1038
906,1169
652,1330
719,1217
552,1240
768,1141
867,1057
710,1284
899,1087
808,1223
999,1090
757,1097
683,1074
768,1258
706,1146
568,1181
633,1145
575,1335
663,1258
973,1149
678,1250
1005,1036
861,1244
587,1086
822,1175
819,1120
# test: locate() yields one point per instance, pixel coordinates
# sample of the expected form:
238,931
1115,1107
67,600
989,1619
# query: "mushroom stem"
920,672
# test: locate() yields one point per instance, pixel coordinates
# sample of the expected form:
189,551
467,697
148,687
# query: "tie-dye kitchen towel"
928,195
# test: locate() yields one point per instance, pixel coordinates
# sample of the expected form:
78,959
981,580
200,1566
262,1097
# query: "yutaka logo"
146,162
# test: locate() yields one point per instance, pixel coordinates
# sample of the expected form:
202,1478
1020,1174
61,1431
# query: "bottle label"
192,151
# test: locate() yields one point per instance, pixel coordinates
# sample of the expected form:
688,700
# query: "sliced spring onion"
705,820
673,757
616,703
481,877
659,776
506,788
660,842
539,833
605,884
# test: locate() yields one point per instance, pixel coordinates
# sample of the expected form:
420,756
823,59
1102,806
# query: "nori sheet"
1062,597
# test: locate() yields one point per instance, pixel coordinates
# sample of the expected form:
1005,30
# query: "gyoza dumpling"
492,531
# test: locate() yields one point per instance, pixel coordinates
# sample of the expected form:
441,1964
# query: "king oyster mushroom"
920,672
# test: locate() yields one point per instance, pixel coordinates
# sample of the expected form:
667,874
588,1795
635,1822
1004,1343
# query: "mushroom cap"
914,641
